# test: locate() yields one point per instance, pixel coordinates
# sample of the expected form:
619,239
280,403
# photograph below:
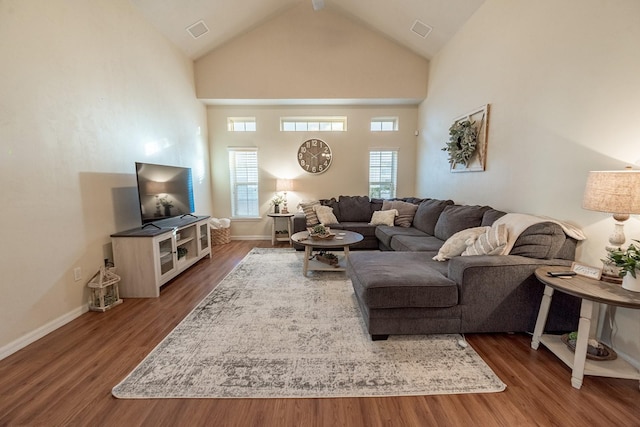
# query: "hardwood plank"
66,377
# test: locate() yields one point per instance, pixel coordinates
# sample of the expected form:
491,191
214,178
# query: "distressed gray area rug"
267,331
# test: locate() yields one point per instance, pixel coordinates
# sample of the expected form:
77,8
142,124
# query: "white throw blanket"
516,223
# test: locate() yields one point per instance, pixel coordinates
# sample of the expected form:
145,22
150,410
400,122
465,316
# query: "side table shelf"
617,368
591,291
274,220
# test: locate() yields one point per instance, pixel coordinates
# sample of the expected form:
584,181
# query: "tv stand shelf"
149,257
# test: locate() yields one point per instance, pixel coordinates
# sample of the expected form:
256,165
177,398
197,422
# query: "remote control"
561,273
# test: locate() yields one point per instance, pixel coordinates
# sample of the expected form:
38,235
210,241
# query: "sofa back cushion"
490,216
354,209
542,241
458,217
428,213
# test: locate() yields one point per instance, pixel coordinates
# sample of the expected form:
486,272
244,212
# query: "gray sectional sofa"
402,290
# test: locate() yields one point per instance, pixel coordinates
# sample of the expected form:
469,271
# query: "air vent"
421,29
198,29
317,4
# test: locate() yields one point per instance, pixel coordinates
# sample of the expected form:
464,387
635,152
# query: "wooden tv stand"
147,258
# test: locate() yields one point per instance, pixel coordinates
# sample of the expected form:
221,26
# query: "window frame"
313,124
394,121
233,122
391,169
236,181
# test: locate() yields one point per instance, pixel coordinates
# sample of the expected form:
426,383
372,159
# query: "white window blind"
383,173
243,174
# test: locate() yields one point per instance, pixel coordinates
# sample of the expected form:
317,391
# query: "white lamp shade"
284,184
616,192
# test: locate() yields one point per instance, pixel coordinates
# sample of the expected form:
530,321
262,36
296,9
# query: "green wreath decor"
463,140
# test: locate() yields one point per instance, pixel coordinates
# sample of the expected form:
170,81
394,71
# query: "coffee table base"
313,265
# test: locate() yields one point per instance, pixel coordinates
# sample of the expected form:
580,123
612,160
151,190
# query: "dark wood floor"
66,378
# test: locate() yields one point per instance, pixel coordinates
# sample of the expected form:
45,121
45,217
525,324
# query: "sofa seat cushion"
399,280
385,233
416,244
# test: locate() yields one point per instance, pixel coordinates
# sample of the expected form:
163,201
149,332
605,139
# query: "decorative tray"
322,236
603,352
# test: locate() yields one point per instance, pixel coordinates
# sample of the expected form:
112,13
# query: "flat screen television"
164,191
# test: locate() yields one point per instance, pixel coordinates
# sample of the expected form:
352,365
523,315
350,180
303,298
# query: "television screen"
164,191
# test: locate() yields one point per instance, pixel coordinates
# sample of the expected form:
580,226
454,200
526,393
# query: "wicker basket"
220,236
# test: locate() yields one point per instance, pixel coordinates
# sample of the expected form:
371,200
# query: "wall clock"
314,156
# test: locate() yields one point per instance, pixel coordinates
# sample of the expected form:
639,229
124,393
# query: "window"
313,124
383,172
384,124
241,124
243,174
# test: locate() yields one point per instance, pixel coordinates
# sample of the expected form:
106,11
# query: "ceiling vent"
198,29
317,4
421,29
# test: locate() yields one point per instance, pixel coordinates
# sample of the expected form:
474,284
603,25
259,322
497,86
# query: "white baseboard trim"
35,335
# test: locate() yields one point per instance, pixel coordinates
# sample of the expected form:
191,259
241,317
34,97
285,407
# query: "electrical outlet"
77,274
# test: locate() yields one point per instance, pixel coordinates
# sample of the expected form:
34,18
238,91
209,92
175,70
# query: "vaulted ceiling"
404,21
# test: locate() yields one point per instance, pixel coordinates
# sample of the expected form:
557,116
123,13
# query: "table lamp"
618,193
284,185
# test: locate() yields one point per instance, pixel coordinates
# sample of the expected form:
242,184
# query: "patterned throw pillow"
406,211
309,212
384,217
325,215
456,244
492,242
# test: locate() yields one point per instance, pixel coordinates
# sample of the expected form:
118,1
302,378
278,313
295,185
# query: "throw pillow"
384,217
456,244
307,207
406,211
492,242
325,215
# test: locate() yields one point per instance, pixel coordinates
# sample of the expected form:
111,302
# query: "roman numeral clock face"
314,156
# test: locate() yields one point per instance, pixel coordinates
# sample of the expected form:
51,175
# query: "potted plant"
276,202
628,260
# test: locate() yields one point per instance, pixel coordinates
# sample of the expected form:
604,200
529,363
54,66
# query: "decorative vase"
631,283
276,208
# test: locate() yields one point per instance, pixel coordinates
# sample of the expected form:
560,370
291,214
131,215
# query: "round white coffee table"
343,239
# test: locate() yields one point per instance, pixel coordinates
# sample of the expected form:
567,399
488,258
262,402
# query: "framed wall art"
467,145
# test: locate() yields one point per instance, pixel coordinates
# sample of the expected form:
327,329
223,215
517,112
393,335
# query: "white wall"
86,89
311,55
562,78
277,151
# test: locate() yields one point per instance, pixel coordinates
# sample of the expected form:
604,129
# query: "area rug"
266,331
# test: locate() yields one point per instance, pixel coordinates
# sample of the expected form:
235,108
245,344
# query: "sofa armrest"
501,293
461,267
299,222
